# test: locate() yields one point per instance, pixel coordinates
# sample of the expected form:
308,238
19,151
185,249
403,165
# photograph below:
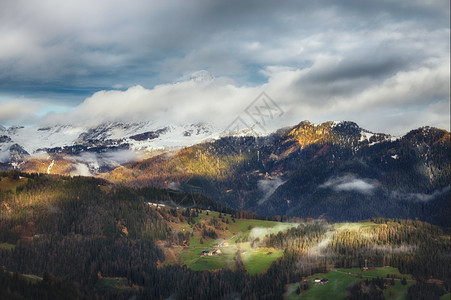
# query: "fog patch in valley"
351,183
420,197
268,187
5,156
391,249
318,249
81,170
42,155
261,232
174,186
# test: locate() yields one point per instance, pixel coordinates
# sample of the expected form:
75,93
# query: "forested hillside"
87,237
335,170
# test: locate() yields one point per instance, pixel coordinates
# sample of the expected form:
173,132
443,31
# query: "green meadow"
341,279
7,246
10,184
235,238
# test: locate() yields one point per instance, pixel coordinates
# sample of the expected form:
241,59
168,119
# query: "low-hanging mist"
351,183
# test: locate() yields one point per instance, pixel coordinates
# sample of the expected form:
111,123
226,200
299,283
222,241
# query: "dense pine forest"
63,237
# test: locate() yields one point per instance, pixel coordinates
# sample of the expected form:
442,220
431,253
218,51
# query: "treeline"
374,289
369,289
17,287
414,247
183,199
79,205
424,290
82,259
300,238
179,282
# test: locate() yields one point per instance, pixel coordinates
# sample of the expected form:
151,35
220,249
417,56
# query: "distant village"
321,281
216,251
210,253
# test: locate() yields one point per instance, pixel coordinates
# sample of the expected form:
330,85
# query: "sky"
382,64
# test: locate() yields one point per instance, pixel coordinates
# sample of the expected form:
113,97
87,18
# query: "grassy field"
114,283
377,272
354,226
398,291
243,224
7,246
341,279
335,289
191,256
32,278
236,237
256,261
446,297
9,184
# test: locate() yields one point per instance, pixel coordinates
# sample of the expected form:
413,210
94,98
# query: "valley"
92,238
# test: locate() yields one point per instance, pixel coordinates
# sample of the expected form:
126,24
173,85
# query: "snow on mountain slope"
32,138
66,149
174,137
154,136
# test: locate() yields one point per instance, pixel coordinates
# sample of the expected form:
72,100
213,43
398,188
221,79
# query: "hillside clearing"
10,184
341,279
234,237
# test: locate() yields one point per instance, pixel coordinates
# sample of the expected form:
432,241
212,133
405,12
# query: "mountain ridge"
333,169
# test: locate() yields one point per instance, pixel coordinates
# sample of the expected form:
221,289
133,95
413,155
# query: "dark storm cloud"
319,59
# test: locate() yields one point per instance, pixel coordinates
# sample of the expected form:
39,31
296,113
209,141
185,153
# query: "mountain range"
333,170
76,150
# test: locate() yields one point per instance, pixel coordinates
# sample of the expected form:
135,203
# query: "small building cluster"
157,205
223,244
321,281
210,253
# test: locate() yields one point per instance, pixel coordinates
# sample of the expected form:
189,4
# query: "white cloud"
411,87
349,183
17,110
382,64
81,170
5,156
420,197
268,187
391,248
182,102
89,161
395,105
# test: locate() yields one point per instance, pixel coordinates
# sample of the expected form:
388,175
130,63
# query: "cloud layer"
420,197
17,110
384,64
351,183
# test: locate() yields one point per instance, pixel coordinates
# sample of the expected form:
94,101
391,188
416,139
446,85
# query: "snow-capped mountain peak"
19,142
